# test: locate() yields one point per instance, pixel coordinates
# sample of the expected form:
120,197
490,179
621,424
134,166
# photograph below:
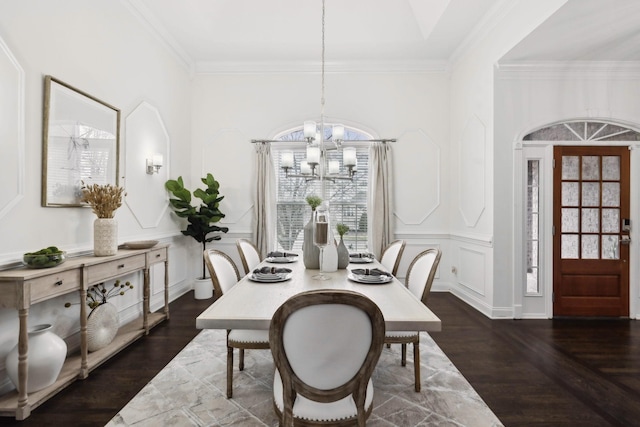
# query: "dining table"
250,304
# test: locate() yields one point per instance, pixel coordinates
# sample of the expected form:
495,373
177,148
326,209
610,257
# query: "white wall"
100,48
532,97
480,219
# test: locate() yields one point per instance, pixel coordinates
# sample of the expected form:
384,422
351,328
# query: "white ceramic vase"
330,256
102,326
105,237
45,358
310,252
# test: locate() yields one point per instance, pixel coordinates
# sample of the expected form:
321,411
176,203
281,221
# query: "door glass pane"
533,204
591,167
611,194
590,194
610,220
570,220
590,249
570,191
569,246
611,168
610,247
590,220
570,168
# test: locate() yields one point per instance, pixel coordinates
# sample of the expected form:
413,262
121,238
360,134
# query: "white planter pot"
105,237
203,289
45,358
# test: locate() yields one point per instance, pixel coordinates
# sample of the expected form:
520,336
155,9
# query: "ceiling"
209,33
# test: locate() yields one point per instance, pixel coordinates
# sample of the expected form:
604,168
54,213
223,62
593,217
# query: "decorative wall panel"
418,192
145,137
472,171
472,270
11,130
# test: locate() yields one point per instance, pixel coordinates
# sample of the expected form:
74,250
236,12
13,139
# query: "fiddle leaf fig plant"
201,217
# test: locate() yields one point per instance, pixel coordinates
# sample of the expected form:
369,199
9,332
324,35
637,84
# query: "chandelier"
316,166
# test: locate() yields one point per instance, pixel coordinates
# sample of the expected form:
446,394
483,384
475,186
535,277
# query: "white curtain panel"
264,205
380,201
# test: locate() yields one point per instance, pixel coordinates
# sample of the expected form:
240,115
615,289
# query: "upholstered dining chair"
224,274
419,280
390,258
249,255
323,370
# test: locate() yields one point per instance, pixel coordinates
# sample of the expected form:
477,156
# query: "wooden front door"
590,242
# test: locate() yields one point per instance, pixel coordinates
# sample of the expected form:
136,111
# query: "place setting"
278,257
361,258
373,276
270,274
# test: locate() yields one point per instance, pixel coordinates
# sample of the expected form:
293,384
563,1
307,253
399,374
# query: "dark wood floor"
530,372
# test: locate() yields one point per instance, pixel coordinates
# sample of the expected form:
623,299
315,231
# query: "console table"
22,287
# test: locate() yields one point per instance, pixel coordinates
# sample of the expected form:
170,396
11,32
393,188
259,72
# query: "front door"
590,242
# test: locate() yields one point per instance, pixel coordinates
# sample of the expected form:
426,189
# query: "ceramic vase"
330,259
343,255
310,252
45,358
105,237
102,326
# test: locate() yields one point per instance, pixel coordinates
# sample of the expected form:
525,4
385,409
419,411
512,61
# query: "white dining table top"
251,305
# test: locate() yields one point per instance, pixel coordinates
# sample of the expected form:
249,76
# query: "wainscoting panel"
471,273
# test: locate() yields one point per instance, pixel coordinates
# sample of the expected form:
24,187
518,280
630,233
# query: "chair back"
422,271
249,255
223,271
319,358
390,258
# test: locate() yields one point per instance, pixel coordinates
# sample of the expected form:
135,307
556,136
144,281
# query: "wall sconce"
154,164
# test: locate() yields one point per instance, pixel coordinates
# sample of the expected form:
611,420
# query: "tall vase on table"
311,252
343,252
104,200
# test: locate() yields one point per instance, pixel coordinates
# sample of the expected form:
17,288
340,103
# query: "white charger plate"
369,280
274,279
363,260
281,260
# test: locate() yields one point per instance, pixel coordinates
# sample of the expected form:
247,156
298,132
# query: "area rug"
191,391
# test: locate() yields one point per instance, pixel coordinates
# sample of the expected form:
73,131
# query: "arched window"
347,198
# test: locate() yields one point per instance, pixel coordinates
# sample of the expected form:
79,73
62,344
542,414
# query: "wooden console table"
22,287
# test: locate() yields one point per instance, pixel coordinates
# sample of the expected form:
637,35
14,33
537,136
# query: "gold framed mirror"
80,143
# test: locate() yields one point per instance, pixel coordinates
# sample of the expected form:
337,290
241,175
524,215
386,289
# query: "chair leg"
241,360
416,364
229,372
404,355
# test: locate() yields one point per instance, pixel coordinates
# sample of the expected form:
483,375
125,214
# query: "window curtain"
264,202
380,207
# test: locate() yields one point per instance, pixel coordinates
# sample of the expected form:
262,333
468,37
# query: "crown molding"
153,25
554,70
314,67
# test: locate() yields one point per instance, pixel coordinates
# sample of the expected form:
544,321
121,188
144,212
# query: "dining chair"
224,274
390,258
323,369
249,255
419,280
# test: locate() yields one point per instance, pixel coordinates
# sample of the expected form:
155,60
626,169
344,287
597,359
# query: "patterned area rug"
191,391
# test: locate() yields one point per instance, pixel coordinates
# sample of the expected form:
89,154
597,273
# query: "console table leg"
145,301
23,349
